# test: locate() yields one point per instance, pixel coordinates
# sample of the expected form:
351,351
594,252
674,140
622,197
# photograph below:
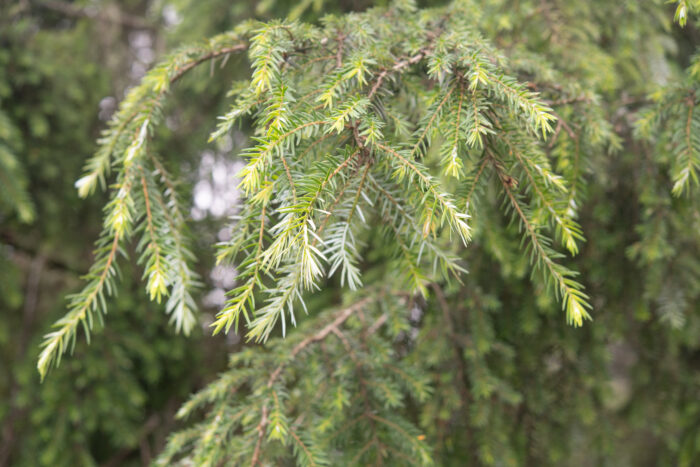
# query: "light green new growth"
329,150
143,202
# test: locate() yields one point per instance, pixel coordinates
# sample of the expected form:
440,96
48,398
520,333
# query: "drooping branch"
339,318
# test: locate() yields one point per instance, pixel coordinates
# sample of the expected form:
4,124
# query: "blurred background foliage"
628,383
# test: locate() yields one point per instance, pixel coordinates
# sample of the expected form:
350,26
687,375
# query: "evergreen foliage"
492,118
13,194
408,169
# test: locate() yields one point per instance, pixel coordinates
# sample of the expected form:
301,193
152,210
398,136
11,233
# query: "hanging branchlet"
143,202
558,277
673,124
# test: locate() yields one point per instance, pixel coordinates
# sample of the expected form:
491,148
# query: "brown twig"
261,434
339,53
398,66
456,345
121,18
217,53
340,318
568,100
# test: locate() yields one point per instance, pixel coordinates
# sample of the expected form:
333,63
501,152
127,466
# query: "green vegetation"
464,233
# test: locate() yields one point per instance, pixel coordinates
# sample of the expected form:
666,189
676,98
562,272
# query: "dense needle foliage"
422,189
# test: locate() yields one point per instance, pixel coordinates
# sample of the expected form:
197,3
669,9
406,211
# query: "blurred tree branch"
109,15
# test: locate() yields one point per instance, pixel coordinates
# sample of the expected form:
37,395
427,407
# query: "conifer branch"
138,112
568,229
339,318
453,163
688,156
156,274
144,100
429,125
374,137
398,66
56,342
180,304
456,220
243,298
574,300
381,131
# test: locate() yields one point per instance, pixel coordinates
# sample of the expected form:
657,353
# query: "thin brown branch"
340,318
339,53
565,125
261,434
567,100
99,14
303,446
456,345
398,66
214,54
20,249
377,324
289,177
475,182
330,211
